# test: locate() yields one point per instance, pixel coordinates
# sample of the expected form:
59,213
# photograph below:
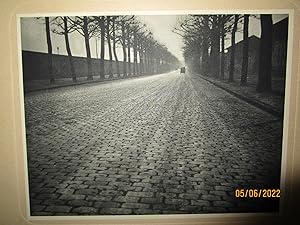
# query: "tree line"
204,46
142,54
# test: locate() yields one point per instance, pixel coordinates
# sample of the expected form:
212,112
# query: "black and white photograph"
138,114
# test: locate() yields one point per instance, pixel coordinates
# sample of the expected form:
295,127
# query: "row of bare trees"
142,54
204,46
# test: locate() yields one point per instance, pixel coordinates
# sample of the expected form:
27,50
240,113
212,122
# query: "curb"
258,104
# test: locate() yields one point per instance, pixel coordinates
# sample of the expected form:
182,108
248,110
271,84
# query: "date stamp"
257,193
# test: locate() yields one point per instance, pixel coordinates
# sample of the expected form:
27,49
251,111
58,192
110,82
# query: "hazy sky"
33,36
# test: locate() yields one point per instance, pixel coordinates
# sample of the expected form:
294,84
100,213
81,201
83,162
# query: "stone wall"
35,66
253,58
279,54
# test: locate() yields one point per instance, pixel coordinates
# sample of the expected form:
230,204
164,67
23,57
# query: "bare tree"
222,60
62,27
101,21
191,29
232,50
143,37
49,45
86,27
108,21
264,83
215,45
128,49
127,42
124,20
115,40
123,41
135,52
224,29
142,53
136,29
244,72
201,34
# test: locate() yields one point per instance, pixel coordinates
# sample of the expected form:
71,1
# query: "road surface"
164,144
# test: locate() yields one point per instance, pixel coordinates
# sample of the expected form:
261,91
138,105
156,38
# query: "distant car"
182,69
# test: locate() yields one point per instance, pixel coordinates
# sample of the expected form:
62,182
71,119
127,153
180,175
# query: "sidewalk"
38,85
273,103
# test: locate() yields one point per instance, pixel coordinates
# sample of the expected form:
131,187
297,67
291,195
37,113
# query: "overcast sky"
33,36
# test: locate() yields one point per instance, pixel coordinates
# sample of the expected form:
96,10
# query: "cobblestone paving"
163,144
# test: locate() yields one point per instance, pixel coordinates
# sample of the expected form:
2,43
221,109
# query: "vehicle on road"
182,69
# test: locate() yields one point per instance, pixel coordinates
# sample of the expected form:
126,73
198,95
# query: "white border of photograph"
163,217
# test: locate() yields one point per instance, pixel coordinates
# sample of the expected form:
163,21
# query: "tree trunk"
158,65
204,63
138,65
124,50
265,55
102,50
244,72
145,60
215,52
141,60
114,45
128,52
152,61
222,69
49,45
232,50
70,57
205,47
87,47
109,46
149,61
134,54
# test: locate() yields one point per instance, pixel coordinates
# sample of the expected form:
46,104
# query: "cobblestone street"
163,144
